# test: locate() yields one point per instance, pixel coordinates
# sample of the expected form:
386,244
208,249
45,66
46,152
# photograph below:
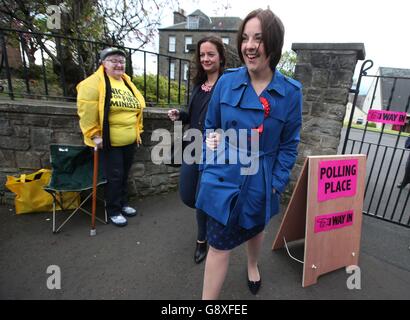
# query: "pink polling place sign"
332,221
387,117
337,178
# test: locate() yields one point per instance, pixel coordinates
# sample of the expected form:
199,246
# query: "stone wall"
326,72
28,128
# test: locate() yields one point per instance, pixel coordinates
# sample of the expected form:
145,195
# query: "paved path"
152,258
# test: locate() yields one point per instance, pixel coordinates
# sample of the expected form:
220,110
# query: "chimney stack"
179,16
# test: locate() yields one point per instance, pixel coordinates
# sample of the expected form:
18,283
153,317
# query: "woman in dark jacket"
210,62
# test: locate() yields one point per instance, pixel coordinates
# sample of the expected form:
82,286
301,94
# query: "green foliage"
35,75
371,125
287,63
151,95
37,89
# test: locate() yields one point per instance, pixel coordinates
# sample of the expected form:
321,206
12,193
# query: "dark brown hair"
200,75
273,33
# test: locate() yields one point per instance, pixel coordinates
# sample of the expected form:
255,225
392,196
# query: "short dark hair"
273,33
200,75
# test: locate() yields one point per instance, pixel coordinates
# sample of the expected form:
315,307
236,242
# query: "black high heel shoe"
200,251
254,286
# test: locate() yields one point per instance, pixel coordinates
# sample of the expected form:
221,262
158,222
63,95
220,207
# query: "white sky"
383,26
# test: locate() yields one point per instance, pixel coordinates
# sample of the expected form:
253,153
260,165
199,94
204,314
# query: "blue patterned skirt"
227,237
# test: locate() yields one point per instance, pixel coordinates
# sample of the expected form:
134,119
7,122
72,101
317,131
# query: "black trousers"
117,163
406,177
189,178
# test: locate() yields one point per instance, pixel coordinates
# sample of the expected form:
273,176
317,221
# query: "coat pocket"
254,204
274,203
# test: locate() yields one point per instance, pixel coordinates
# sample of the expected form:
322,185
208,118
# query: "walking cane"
93,232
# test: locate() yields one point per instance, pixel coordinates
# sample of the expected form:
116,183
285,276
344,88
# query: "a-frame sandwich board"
326,210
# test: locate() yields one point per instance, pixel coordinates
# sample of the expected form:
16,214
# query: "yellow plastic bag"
30,195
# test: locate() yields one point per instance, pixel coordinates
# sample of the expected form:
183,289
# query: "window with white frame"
193,22
172,70
225,40
171,43
188,41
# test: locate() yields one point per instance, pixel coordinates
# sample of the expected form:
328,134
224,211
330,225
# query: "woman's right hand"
173,114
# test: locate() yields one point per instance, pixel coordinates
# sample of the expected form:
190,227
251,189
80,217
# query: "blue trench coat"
224,193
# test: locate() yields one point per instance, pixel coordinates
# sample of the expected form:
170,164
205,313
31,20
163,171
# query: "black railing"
386,156
49,66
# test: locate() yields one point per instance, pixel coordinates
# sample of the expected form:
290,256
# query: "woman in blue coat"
240,197
210,62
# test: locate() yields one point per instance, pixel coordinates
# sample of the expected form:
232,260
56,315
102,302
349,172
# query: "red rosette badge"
266,109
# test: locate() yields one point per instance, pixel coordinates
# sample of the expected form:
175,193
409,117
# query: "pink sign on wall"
332,221
337,178
387,117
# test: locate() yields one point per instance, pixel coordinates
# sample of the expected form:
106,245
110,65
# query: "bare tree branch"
136,20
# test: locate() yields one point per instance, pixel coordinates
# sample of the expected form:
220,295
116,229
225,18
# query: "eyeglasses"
115,61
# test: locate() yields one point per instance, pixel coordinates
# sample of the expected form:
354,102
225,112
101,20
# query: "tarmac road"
385,169
152,259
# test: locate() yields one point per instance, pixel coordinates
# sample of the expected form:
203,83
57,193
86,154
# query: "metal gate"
384,144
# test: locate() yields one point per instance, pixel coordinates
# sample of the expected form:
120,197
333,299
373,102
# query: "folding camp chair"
72,171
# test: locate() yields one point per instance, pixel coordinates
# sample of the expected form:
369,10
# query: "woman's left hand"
213,140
